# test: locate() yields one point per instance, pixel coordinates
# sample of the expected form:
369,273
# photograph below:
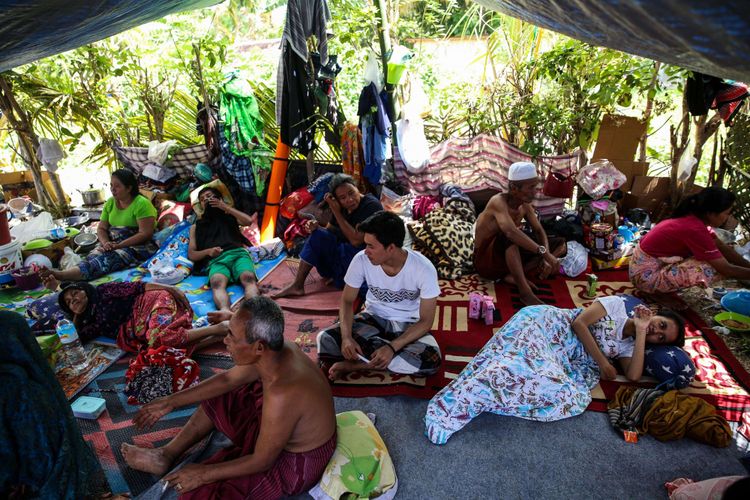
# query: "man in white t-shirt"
392,333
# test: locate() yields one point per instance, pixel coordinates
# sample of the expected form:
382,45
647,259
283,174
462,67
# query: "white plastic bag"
170,272
599,177
38,227
69,259
159,151
372,72
575,261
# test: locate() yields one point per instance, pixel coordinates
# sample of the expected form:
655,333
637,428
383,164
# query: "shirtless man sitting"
503,249
274,405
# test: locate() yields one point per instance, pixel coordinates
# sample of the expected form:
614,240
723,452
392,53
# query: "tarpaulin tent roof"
33,29
711,37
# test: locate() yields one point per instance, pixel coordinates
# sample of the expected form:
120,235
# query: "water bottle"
72,350
57,233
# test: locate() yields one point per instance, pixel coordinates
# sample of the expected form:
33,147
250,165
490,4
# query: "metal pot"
92,196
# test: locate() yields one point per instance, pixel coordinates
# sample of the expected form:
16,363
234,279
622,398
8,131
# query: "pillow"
686,489
46,311
360,466
668,364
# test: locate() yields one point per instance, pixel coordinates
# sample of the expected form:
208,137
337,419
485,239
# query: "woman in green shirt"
125,232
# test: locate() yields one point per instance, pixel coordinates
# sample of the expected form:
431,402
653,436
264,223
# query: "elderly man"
393,331
331,249
509,241
274,405
217,242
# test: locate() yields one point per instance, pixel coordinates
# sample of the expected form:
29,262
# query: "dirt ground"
700,301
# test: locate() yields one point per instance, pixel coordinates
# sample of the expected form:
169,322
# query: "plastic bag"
158,152
575,261
599,177
69,259
372,72
170,272
38,227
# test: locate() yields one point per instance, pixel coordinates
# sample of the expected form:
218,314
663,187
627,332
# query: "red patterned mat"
720,379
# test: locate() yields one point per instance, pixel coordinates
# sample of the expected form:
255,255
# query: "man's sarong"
238,415
420,358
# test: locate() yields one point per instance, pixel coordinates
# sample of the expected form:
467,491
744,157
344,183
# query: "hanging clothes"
243,125
304,18
375,126
352,153
706,92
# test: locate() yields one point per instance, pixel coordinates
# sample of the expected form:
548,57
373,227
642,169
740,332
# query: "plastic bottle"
72,349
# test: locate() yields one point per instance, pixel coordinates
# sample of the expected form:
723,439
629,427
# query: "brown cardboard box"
618,137
648,193
631,169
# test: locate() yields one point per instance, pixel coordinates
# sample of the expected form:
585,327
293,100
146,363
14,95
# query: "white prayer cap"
522,171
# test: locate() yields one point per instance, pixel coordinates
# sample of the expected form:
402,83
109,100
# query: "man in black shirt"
330,249
217,240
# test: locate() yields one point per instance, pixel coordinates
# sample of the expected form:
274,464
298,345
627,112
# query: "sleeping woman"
543,363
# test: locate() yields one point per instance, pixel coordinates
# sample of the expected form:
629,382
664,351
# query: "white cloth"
412,143
50,153
613,346
394,298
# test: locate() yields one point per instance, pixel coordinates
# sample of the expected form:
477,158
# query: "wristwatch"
541,250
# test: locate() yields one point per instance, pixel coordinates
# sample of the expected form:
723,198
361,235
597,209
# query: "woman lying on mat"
43,452
125,232
137,314
683,251
544,362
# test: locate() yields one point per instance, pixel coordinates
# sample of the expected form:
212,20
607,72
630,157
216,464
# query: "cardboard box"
612,260
631,169
618,137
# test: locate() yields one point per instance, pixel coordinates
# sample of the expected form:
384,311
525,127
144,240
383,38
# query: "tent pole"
275,187
384,36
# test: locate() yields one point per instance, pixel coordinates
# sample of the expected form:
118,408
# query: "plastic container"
25,278
73,353
88,407
736,322
738,302
10,259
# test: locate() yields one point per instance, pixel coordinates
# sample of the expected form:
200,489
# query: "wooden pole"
275,188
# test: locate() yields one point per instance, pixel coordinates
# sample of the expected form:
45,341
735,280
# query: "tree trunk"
650,93
678,139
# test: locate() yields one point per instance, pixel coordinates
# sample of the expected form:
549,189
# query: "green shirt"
139,208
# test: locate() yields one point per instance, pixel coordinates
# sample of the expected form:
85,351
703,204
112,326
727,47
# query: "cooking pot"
85,242
92,196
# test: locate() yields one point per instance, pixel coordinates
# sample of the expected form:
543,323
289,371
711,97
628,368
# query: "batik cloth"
352,154
238,415
42,452
420,358
157,320
668,274
98,262
158,372
534,367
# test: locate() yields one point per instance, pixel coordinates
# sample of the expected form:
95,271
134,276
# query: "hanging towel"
50,153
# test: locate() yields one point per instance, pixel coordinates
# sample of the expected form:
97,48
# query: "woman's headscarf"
87,288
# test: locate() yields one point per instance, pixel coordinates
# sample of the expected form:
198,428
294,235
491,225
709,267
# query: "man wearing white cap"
509,241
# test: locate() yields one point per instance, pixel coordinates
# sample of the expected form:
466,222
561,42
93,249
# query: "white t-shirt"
395,298
608,330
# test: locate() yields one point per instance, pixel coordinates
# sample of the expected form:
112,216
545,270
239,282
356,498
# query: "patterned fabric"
360,466
534,367
159,372
183,161
43,454
46,311
478,163
240,168
423,205
670,365
110,306
626,414
238,415
420,358
157,319
446,237
668,274
352,154
98,262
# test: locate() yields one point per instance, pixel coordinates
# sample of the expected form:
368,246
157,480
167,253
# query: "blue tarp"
708,36
31,30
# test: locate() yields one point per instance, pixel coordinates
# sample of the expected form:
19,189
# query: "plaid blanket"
479,163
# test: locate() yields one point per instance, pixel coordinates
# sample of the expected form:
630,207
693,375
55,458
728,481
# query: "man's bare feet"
510,280
530,299
151,460
341,368
290,290
215,317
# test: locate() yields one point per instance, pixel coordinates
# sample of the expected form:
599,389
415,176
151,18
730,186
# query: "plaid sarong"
183,161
